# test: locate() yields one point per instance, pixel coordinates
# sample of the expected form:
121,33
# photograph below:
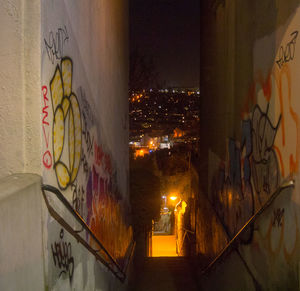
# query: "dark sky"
169,31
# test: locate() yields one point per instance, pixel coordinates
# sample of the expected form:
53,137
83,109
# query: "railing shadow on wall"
101,254
234,242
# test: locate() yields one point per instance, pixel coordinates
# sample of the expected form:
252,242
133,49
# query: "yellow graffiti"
66,131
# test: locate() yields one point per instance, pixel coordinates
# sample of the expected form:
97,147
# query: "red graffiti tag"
47,158
44,89
98,152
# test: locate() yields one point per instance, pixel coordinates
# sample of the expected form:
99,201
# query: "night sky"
168,31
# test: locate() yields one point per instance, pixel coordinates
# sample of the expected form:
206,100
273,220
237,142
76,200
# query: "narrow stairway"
165,273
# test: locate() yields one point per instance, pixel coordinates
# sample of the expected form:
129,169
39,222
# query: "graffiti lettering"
46,137
232,190
86,108
104,214
45,112
259,164
78,198
66,121
283,95
86,168
55,44
108,166
287,54
81,166
87,137
233,193
264,160
62,256
47,158
98,153
277,217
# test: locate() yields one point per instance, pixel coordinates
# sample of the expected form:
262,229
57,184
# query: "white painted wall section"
20,59
21,246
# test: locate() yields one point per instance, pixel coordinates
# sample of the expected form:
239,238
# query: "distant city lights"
162,118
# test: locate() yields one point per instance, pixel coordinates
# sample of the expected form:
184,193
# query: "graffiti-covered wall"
84,131
250,131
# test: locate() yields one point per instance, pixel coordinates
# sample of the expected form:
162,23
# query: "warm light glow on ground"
164,246
141,152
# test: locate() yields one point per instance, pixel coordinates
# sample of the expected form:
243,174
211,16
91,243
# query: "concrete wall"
26,239
21,246
85,126
250,132
64,116
20,60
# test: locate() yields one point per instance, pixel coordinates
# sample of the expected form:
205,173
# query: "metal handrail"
188,230
101,254
284,185
186,234
130,257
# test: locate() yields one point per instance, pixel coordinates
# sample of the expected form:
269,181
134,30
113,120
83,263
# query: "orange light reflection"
164,246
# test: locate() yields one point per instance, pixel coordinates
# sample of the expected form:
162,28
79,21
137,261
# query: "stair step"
166,273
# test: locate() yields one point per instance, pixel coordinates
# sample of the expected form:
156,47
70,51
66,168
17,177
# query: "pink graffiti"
104,215
98,153
47,158
108,166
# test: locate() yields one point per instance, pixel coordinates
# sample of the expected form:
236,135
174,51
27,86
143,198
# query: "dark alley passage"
165,273
149,145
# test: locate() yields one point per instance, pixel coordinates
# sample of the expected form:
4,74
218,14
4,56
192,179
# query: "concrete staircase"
165,273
